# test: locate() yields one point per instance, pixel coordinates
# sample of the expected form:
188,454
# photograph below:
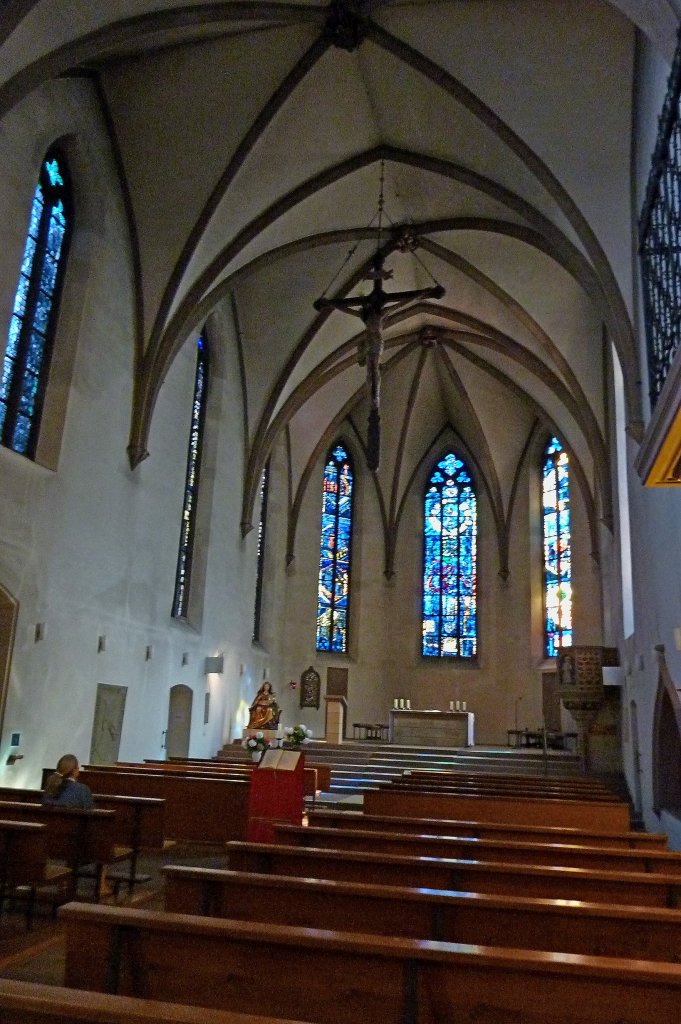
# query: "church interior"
340,352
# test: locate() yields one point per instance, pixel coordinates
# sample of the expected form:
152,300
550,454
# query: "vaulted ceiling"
250,139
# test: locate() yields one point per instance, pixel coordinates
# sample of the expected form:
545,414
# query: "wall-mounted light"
214,665
101,644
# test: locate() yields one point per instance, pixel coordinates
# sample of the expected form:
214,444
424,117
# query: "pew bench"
535,880
517,852
24,864
74,837
198,809
336,977
518,810
23,1002
138,825
592,929
488,830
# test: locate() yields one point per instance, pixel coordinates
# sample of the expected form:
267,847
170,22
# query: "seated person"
62,788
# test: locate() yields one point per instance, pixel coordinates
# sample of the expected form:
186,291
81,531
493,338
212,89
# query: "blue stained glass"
21,434
449,621
21,295
557,549
29,253
25,374
36,213
188,519
333,589
5,380
48,276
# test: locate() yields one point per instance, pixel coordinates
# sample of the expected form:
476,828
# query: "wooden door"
108,723
179,721
8,619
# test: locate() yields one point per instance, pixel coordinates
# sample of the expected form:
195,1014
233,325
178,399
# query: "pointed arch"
450,527
333,593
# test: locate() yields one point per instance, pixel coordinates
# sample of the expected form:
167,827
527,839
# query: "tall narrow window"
26,362
191,487
450,620
557,549
334,562
264,484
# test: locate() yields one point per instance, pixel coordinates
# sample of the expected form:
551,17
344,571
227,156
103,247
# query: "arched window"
191,488
260,564
334,561
26,364
557,548
450,620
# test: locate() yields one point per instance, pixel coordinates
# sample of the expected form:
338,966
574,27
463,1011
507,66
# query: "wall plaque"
310,688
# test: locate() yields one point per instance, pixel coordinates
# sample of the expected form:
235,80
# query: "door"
8,619
551,701
108,723
179,721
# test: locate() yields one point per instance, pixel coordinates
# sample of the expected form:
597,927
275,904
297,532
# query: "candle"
408,705
402,703
458,705
463,706
396,703
451,705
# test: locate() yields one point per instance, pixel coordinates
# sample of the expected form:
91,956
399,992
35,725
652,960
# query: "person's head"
67,766
266,687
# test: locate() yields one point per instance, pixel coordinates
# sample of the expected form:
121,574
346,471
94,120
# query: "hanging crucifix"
372,309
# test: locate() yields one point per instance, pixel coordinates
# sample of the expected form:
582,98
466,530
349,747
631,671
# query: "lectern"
334,725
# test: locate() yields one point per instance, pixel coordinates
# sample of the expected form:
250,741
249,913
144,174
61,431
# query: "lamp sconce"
214,665
13,758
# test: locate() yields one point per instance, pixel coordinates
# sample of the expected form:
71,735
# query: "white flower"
259,735
289,730
252,743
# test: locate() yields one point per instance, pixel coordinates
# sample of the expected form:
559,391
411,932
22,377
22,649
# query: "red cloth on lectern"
276,795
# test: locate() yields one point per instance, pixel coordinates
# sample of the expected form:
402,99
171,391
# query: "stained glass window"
26,362
557,548
450,621
191,488
334,562
264,484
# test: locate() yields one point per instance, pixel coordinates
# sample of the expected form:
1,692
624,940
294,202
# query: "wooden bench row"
535,880
487,830
23,1002
518,852
592,929
430,777
138,824
606,816
335,977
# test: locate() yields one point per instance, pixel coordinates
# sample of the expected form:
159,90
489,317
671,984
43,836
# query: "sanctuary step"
361,766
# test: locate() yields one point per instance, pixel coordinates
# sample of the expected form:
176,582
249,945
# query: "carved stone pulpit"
580,685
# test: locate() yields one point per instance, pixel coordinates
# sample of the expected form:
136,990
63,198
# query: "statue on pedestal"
264,712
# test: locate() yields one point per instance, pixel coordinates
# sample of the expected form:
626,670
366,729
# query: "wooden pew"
589,814
496,789
23,1002
336,977
424,845
197,809
437,776
323,770
138,825
535,880
312,782
593,929
74,836
488,830
24,863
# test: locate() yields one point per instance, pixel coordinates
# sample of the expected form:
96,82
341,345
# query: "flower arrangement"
255,742
297,734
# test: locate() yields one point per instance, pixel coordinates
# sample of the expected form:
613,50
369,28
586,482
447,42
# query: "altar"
432,728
